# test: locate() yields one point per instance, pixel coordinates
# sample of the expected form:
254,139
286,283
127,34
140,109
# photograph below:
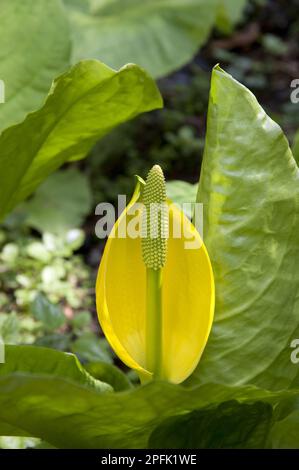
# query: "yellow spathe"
187,298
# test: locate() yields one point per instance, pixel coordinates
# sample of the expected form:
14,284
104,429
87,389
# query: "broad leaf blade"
8,430
84,104
160,35
35,360
249,187
229,425
35,47
296,147
43,393
284,434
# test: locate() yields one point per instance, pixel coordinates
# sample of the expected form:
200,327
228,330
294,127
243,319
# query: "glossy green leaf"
40,388
35,47
250,189
83,105
296,147
285,432
160,35
35,360
229,425
60,203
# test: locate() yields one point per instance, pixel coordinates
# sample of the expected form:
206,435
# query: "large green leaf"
160,35
250,189
35,47
27,360
296,147
285,433
45,394
83,105
229,425
32,360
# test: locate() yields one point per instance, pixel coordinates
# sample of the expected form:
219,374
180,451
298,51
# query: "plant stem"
154,322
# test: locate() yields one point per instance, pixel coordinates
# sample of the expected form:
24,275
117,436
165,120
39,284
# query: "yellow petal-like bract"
187,297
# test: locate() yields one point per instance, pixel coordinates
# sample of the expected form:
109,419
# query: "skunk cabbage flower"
155,294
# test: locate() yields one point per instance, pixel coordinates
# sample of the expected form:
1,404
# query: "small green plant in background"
47,295
31,265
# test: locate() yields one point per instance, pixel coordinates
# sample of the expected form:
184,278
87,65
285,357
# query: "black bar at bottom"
137,458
